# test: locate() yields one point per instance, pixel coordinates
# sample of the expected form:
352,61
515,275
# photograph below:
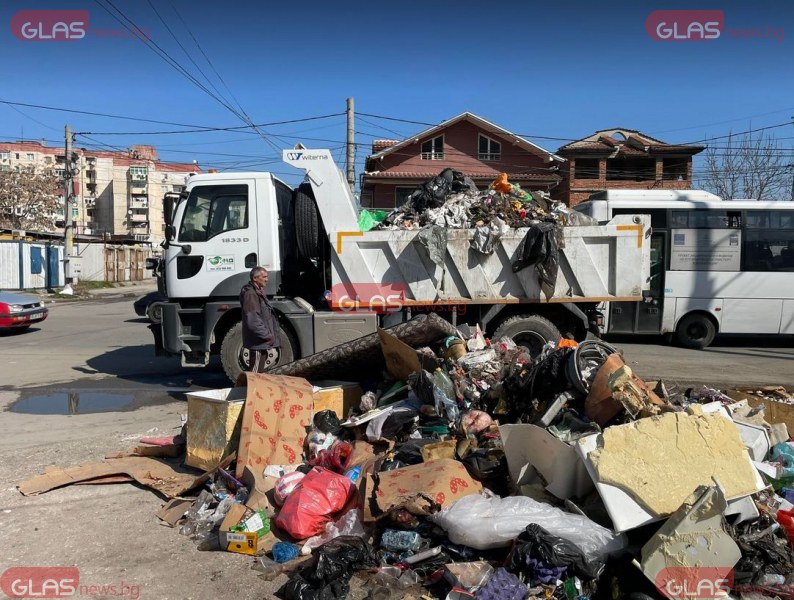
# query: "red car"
20,311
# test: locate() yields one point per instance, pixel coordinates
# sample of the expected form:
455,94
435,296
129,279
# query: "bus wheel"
695,331
530,331
234,357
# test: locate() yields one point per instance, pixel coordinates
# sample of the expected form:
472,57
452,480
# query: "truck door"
644,317
216,230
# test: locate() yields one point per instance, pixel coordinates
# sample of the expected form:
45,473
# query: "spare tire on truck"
309,229
530,331
234,357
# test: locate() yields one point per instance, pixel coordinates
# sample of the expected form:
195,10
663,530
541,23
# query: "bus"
717,266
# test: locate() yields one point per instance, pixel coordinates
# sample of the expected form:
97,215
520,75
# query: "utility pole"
68,233
351,147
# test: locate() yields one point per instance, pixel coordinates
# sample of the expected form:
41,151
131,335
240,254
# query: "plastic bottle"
443,381
396,540
269,569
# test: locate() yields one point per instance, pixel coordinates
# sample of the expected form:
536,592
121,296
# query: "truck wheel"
234,357
530,331
308,227
696,331
155,312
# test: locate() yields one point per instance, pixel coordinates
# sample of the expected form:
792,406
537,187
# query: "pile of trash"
448,465
451,200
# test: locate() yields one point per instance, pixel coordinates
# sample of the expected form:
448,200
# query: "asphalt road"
98,353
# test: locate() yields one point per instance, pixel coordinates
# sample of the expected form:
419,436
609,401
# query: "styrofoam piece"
744,507
235,394
625,512
756,440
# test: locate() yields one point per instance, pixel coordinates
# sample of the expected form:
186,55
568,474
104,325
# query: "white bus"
717,266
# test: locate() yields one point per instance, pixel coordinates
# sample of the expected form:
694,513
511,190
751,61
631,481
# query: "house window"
60,173
586,168
48,160
631,169
16,155
31,156
138,171
433,149
401,195
489,149
674,169
5,155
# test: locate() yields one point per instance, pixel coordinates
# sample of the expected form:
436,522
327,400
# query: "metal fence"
36,265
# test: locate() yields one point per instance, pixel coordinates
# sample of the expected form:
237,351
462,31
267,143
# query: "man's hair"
256,271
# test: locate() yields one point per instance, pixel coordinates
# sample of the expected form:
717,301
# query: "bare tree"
749,168
28,200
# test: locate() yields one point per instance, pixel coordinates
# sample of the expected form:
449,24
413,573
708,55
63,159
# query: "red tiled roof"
378,145
636,143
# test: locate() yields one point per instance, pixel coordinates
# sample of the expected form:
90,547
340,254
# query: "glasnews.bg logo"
367,297
693,583
50,25
685,25
40,582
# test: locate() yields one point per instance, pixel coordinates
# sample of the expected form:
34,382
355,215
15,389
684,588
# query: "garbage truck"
329,282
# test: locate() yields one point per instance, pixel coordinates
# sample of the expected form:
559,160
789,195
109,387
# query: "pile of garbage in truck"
430,461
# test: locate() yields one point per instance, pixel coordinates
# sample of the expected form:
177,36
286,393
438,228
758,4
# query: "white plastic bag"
350,523
484,523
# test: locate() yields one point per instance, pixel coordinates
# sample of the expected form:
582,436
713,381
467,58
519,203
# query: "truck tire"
695,331
308,226
155,312
530,331
234,357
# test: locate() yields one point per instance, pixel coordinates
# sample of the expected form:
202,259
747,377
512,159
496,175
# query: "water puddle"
72,403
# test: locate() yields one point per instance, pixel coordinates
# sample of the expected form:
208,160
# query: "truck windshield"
214,209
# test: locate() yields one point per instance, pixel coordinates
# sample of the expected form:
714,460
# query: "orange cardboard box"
277,410
444,481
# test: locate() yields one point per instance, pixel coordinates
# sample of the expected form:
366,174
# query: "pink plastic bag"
322,494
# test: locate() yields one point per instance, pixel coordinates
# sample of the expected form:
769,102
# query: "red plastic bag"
320,496
335,458
786,520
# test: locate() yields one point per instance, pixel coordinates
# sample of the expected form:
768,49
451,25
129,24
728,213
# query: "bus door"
644,317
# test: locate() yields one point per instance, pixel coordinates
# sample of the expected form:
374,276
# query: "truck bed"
597,263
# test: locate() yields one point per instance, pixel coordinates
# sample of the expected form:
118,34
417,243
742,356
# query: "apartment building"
116,195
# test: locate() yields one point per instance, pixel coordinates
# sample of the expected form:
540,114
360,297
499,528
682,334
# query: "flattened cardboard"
173,510
444,481
401,359
277,410
151,472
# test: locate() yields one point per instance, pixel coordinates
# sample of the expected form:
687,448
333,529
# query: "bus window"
769,250
706,219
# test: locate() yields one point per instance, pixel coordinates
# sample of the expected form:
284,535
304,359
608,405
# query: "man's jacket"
260,329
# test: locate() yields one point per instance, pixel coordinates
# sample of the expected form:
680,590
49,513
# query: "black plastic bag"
327,575
537,543
327,422
540,247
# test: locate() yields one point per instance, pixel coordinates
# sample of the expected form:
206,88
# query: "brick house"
623,159
466,143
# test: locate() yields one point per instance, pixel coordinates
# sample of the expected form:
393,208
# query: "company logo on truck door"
220,263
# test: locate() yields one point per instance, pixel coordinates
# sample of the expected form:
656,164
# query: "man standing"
260,329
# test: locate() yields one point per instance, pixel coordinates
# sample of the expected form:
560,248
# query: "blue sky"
559,70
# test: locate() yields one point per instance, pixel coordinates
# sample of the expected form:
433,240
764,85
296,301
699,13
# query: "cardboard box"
243,529
213,426
338,396
277,411
442,481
